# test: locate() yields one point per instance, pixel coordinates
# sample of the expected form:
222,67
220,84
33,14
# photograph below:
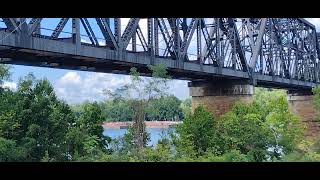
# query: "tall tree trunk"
139,126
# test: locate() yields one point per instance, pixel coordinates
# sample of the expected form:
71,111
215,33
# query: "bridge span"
224,58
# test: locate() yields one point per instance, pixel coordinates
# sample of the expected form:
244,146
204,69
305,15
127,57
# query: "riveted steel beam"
129,32
62,23
106,32
34,24
11,24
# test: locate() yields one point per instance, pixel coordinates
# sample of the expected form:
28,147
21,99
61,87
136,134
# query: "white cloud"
10,85
70,78
76,88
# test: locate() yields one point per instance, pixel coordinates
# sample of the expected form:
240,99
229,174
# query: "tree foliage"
4,73
197,130
139,92
186,107
37,126
165,108
259,131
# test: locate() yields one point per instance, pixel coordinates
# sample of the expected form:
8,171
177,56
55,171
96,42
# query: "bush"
196,134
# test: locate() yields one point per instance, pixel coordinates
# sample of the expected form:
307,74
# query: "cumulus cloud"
75,87
70,78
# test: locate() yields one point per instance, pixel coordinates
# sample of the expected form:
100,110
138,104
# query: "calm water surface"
155,133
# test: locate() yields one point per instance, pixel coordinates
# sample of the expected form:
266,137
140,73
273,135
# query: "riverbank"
149,124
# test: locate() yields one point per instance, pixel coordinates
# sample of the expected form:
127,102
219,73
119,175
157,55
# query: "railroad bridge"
223,58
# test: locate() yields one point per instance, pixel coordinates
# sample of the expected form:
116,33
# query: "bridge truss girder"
274,47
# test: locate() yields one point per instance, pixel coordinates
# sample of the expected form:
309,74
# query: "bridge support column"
219,96
301,104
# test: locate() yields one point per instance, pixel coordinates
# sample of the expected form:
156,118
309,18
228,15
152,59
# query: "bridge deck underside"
34,51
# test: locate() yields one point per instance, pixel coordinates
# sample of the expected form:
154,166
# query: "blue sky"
78,86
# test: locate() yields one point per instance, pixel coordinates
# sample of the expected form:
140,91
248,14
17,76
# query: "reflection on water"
155,133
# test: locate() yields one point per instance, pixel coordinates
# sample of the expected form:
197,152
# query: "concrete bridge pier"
301,104
218,96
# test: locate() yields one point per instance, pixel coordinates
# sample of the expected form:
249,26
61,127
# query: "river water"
155,133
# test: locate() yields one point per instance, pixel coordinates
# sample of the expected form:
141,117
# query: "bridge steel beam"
11,23
284,50
36,47
34,25
107,33
190,70
257,46
59,28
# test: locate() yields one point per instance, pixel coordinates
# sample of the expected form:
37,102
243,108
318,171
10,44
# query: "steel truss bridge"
268,52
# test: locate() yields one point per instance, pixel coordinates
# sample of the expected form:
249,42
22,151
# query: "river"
155,133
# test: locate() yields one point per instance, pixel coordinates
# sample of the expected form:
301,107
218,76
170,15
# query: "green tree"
165,108
285,129
4,73
35,120
260,126
9,151
91,120
243,130
259,131
186,107
117,110
196,134
44,118
85,138
139,92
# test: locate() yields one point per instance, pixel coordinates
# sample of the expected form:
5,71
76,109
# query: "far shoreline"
149,124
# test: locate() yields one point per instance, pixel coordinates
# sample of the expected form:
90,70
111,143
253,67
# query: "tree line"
165,108
35,125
